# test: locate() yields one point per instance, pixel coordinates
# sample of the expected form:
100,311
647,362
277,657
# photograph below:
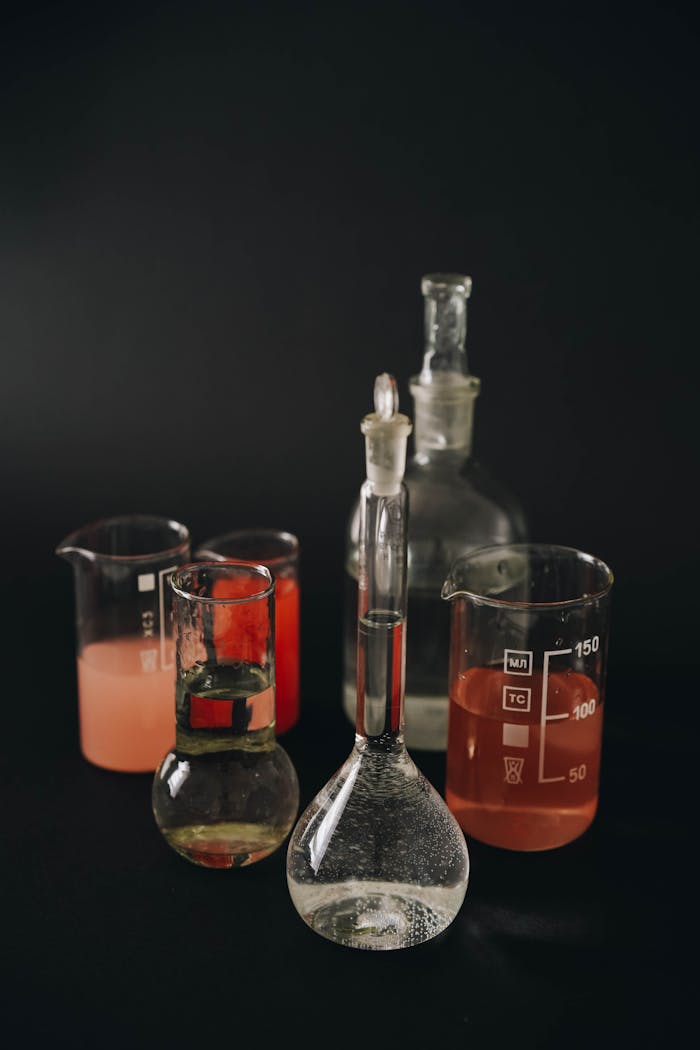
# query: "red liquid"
287,652
240,633
528,786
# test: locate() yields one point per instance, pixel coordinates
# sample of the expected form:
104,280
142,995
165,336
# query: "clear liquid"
426,665
377,860
380,656
378,915
227,794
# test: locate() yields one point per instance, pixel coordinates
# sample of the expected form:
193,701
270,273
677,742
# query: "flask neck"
381,638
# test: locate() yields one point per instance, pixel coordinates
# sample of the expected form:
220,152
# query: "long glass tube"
381,650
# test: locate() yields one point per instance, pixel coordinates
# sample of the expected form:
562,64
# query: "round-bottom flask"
377,860
227,794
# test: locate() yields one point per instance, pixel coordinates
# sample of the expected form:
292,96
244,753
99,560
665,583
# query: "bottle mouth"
437,285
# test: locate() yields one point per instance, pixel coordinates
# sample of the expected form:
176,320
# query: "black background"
214,219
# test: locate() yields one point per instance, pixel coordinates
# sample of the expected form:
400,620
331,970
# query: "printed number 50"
577,773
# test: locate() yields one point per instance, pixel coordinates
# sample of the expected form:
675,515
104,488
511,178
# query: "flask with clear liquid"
227,793
456,506
377,860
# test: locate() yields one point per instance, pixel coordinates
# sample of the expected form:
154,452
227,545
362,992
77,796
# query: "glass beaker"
227,794
125,650
279,552
529,640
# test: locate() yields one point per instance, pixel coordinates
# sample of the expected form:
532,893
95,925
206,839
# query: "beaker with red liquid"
528,651
278,551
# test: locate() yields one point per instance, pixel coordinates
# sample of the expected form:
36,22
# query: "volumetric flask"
529,639
377,861
227,793
279,552
125,649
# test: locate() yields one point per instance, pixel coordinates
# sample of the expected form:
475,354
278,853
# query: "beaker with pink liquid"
529,642
124,637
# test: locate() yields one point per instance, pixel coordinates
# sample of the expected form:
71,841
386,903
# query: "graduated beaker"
227,793
279,552
529,639
125,650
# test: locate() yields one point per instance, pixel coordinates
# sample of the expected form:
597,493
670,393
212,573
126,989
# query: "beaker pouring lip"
86,541
455,585
222,570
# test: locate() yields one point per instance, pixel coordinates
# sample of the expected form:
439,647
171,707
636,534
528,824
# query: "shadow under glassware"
529,641
227,794
124,645
279,552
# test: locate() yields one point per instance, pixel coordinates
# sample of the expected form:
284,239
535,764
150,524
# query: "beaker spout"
72,552
451,588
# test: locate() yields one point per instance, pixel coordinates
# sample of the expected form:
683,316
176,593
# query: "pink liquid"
126,703
540,792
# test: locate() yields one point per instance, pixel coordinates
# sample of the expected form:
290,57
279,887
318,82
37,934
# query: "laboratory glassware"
227,793
530,626
456,505
377,860
279,551
125,649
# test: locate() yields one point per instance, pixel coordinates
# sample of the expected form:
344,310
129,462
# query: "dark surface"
214,222
109,932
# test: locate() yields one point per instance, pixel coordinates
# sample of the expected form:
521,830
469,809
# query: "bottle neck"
443,415
381,639
445,319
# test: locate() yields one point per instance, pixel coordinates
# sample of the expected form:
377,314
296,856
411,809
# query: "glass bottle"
377,860
456,506
227,794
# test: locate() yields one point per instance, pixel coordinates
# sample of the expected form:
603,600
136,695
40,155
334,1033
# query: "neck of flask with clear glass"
377,861
381,592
